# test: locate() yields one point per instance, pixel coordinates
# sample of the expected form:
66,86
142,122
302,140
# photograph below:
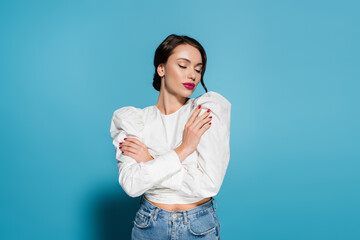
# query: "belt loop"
185,217
214,200
156,213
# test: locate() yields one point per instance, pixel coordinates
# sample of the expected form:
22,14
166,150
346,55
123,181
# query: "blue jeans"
152,222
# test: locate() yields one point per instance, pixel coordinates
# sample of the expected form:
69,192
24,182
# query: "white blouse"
165,179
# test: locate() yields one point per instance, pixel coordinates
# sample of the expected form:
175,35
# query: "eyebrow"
190,61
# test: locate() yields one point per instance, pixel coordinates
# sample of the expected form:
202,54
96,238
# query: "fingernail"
120,147
125,138
121,143
210,117
122,151
208,110
199,106
209,123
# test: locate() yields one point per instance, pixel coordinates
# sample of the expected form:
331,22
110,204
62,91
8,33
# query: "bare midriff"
179,207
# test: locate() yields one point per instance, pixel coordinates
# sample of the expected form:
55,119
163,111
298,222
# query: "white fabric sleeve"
203,177
136,178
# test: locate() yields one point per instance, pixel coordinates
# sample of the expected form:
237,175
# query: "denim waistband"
180,215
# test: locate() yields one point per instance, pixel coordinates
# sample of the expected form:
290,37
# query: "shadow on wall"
113,215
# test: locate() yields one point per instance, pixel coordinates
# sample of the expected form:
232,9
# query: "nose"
192,74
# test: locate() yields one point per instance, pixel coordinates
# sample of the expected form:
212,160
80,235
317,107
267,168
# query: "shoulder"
212,99
128,113
220,107
128,118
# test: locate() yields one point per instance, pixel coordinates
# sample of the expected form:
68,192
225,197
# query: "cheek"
176,73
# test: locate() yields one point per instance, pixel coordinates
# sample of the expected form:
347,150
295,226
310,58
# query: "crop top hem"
172,199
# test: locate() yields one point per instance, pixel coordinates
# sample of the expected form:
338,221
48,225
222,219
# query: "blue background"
289,68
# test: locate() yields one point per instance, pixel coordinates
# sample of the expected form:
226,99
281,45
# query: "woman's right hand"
194,129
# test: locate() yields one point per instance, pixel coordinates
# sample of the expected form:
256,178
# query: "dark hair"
166,48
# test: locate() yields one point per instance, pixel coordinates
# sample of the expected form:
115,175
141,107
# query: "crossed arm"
139,171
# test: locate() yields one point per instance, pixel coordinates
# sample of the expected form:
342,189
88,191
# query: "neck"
168,103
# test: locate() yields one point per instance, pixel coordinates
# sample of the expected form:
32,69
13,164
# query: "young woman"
174,154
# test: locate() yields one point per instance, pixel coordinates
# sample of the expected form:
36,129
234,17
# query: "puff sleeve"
136,178
204,178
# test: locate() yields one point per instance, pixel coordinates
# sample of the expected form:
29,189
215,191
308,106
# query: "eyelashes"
185,67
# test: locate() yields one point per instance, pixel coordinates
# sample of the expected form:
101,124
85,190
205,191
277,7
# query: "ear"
161,70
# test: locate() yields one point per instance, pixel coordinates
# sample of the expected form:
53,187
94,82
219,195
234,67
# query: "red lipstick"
189,85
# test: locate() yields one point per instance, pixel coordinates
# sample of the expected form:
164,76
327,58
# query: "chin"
184,92
188,92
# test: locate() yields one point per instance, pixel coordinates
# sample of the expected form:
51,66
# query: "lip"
189,85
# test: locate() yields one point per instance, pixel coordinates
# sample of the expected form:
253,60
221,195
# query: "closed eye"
199,71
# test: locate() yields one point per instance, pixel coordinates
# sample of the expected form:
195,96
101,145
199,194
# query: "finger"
134,141
205,127
138,142
132,155
194,114
204,121
130,148
198,120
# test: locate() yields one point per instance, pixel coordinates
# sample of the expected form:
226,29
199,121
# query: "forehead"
187,51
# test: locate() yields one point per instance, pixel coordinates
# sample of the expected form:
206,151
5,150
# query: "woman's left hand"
134,148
